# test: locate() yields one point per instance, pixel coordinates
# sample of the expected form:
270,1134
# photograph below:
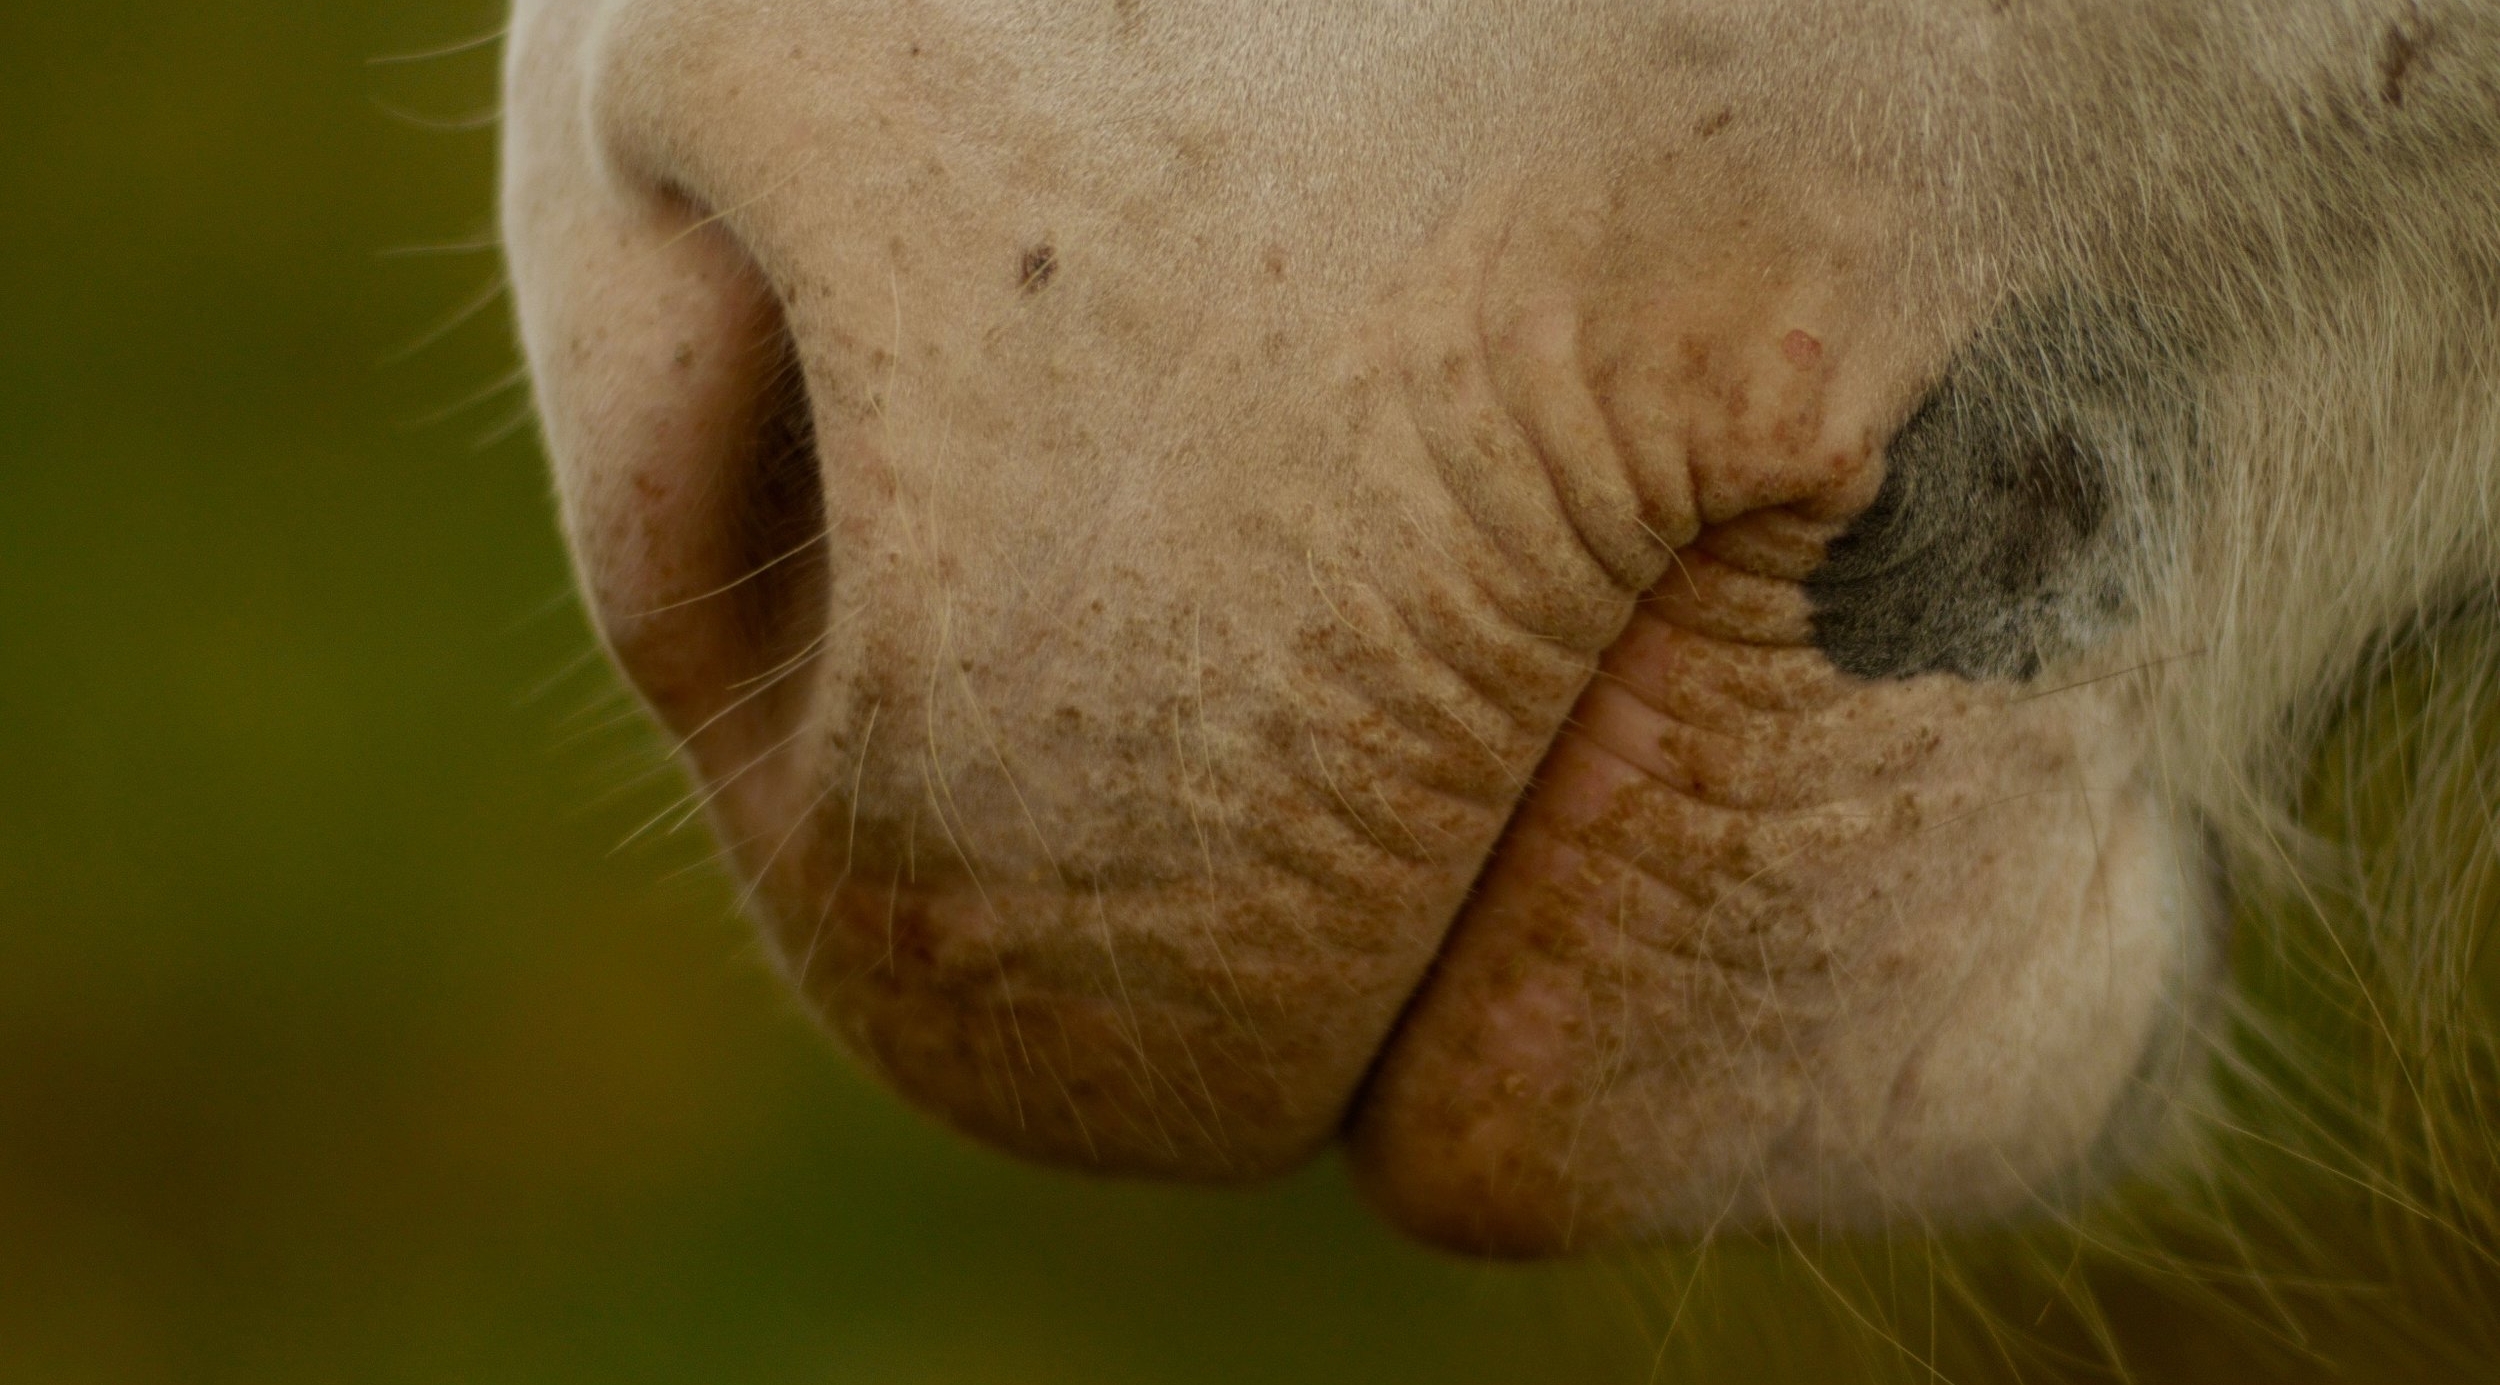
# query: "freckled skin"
1313,612
1726,962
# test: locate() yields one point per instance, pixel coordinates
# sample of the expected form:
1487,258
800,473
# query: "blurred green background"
340,1040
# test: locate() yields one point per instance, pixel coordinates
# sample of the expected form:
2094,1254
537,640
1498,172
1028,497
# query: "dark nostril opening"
781,535
705,542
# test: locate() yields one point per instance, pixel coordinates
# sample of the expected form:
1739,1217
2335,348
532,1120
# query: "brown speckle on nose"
1040,266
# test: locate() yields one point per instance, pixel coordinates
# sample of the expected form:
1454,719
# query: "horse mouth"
1130,814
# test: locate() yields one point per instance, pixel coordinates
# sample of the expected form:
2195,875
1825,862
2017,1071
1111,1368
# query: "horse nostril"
681,424
780,533
753,509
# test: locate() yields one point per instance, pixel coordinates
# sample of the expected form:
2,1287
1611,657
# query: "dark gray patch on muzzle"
2021,503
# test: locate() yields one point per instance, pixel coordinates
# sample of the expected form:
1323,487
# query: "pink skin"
1288,660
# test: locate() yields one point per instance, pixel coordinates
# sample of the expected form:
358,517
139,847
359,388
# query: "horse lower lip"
1716,822
1747,956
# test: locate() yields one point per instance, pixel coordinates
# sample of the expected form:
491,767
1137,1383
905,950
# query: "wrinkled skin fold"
1557,593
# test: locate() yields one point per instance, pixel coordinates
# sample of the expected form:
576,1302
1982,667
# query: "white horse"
1664,615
